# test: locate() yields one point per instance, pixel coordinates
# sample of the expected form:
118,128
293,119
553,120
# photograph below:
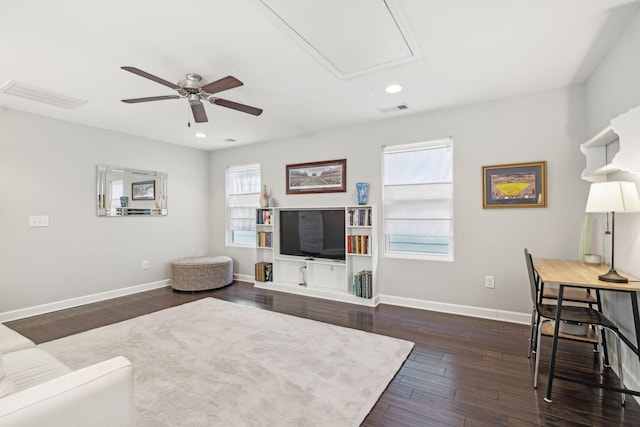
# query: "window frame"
427,256
229,237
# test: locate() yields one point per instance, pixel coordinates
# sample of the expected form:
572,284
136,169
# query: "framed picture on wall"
518,185
317,177
143,190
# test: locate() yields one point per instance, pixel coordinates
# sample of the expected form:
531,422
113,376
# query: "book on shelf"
359,244
363,284
265,239
360,217
263,217
264,272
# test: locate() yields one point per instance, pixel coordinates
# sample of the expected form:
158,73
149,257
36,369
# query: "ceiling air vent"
35,94
395,108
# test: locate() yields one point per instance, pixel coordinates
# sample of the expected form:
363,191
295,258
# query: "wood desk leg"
556,331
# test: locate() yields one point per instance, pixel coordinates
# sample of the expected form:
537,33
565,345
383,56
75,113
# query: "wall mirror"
124,192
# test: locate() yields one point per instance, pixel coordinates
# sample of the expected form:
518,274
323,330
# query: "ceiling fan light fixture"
194,99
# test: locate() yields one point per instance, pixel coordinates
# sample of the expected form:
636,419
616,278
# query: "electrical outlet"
39,221
489,282
145,264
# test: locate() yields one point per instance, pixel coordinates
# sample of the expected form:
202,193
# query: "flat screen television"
312,233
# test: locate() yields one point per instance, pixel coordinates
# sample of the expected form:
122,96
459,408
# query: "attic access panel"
349,37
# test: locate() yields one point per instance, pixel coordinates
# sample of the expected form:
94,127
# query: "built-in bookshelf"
361,251
350,280
264,245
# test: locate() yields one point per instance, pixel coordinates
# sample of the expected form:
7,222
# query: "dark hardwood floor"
462,372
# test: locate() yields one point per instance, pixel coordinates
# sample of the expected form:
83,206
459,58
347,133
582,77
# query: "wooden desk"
568,273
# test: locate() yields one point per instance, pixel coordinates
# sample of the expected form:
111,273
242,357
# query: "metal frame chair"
547,313
578,295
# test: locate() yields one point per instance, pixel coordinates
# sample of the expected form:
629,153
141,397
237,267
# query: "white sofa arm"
98,395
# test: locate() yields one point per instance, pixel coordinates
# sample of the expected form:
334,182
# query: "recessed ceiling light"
201,135
393,88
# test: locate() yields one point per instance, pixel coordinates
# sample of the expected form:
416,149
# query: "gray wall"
613,89
543,126
48,167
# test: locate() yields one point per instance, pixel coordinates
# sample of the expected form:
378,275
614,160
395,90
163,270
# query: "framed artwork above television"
317,177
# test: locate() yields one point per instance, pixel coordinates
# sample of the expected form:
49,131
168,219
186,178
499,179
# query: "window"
243,196
418,200
117,191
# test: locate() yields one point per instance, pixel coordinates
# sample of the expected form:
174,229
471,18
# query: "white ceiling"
469,51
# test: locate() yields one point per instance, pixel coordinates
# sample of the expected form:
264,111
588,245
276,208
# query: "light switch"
39,221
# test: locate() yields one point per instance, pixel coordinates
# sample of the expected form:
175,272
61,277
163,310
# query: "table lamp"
613,196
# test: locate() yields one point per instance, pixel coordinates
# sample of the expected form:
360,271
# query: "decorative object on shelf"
272,202
518,185
317,177
264,197
362,189
614,196
143,190
124,201
585,237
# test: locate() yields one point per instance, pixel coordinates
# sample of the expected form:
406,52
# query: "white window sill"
416,256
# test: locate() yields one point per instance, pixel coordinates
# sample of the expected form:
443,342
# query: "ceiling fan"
195,90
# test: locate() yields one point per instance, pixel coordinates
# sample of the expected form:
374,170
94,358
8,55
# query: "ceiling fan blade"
146,75
199,114
224,83
236,106
151,98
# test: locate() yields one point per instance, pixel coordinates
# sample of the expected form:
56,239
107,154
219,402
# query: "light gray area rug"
216,363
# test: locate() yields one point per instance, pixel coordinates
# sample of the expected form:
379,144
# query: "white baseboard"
74,302
464,310
243,278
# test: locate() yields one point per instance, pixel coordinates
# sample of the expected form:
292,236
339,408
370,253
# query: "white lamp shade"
614,196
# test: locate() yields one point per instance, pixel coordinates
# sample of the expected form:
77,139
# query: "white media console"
318,277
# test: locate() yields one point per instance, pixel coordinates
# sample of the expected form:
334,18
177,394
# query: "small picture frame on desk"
517,185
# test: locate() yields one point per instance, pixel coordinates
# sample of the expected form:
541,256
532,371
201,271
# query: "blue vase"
124,201
363,192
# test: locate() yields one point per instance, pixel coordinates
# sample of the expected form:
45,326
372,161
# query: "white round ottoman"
201,273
